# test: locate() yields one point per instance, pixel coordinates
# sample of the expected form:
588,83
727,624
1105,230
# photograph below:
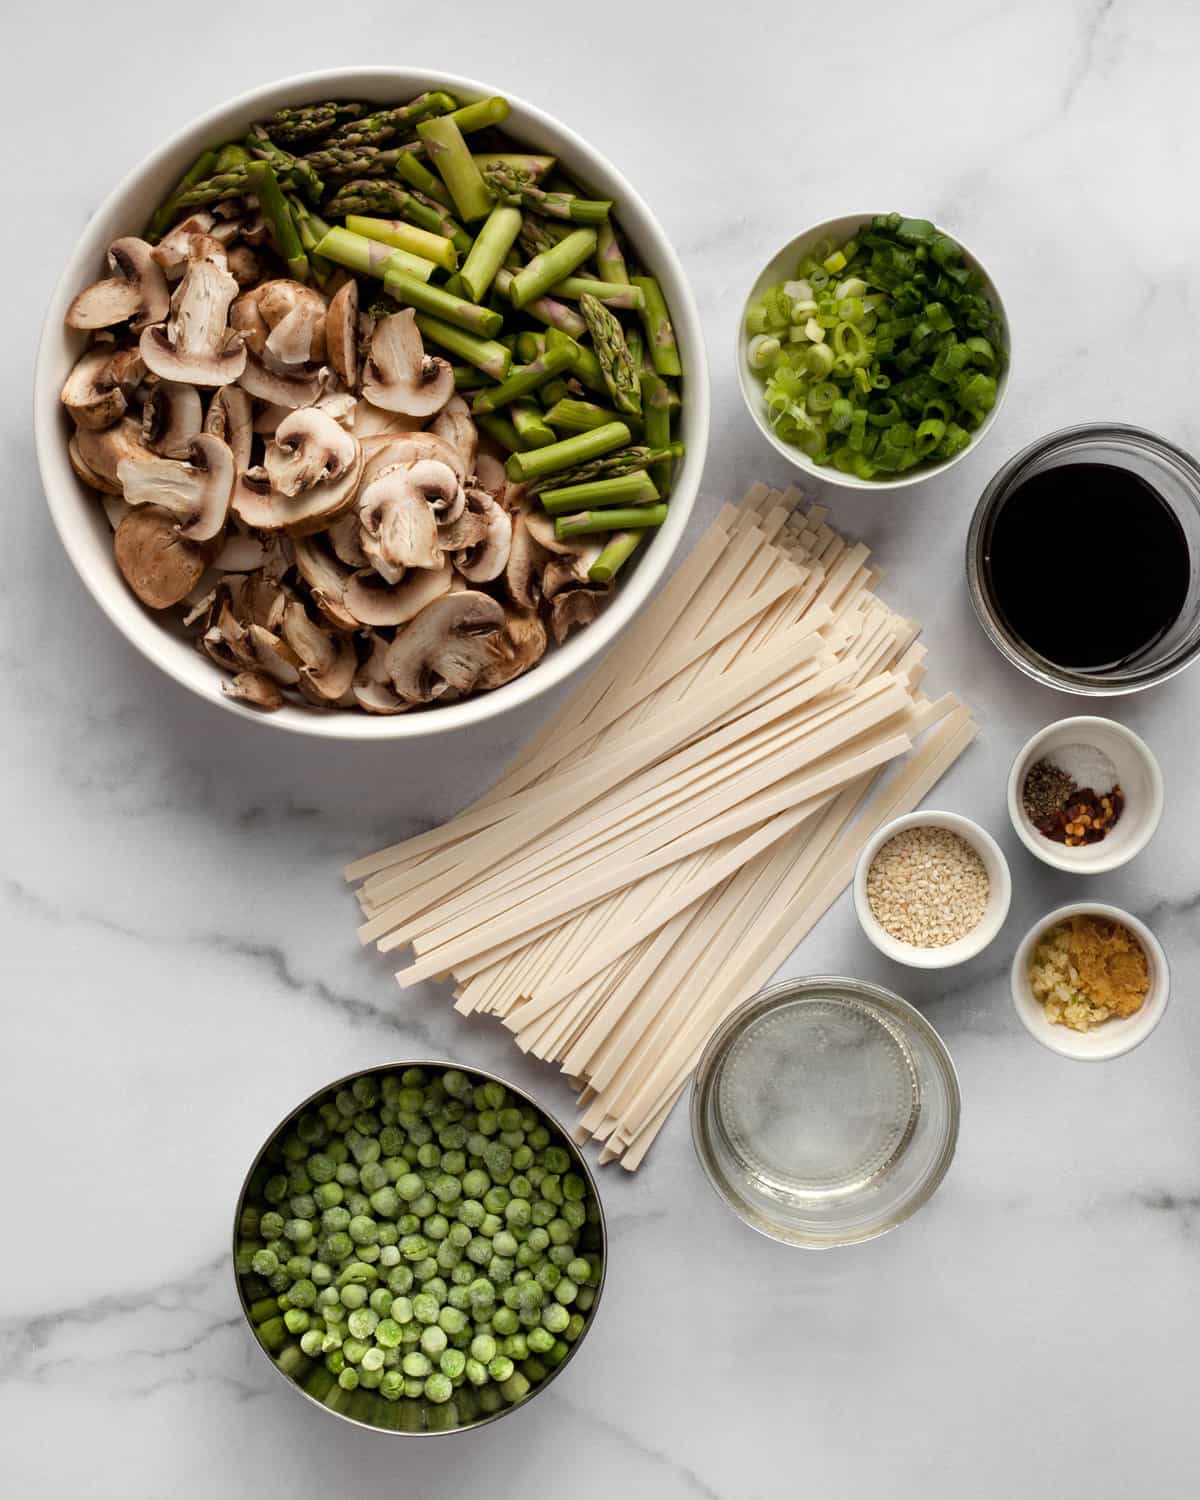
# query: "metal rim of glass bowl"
432,1064
833,987
1010,646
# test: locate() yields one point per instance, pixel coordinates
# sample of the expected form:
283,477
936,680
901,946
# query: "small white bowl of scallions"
873,350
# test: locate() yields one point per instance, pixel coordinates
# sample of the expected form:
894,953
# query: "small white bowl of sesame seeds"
932,889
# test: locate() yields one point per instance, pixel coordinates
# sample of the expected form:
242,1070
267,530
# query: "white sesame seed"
927,887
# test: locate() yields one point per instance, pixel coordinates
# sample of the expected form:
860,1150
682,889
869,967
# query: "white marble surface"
178,959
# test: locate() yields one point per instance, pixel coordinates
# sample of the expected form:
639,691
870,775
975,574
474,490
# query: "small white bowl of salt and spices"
932,889
1090,763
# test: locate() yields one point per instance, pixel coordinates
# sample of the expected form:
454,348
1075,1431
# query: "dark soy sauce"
1088,565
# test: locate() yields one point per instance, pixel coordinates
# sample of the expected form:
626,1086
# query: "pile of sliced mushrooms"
297,476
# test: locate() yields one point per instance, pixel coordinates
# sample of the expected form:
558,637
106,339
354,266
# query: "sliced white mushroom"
274,656
372,686
573,607
239,553
230,417
172,415
453,424
327,660
245,265
345,539
137,290
255,689
541,528
196,346
467,529
287,391
341,333
190,238
263,508
397,517
490,475
115,509
295,315
384,451
102,452
372,421
526,564
340,405
516,648
399,375
195,489
445,647
371,601
96,391
488,557
157,563
309,448
570,570
327,581
108,488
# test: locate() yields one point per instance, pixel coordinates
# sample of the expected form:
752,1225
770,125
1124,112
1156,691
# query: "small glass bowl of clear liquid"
825,1111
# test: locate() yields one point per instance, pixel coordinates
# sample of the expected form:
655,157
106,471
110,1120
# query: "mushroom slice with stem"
372,686
157,563
172,416
541,528
577,606
346,542
109,489
341,333
286,391
399,375
230,417
137,290
373,602
309,448
240,553
516,648
96,390
490,475
465,530
274,656
526,564
397,520
383,451
454,425
327,661
196,345
327,581
195,489
295,315
488,557
372,421
245,265
567,571
254,689
445,647
190,238
263,508
102,453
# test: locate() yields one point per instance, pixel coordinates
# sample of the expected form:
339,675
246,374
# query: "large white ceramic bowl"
782,267
80,518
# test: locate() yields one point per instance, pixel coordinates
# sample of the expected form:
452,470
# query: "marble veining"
179,965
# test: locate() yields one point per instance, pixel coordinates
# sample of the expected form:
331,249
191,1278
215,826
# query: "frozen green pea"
433,1340
354,1349
380,1301
425,1205
391,1387
410,1187
436,1227
438,1388
559,1231
492,1224
401,1311
451,1320
264,1262
335,1219
389,1256
566,1291
425,1308
302,1293
560,1256
505,1321
516,1347
347,1174
452,1362
459,1235
575,1327
275,1189
416,1363
500,1368
372,1179
321,1274
362,1322
586,1298
483,1348
428,1155
556,1159
540,1340
463,1273
328,1195
575,1215
447,1189
425,1270
348,1378
296,1320
504,1244
555,1317
354,1295
310,1342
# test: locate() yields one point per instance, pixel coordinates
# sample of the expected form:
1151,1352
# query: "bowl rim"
432,1063
1047,851
750,390
1131,1031
813,986
1011,647
155,642
985,931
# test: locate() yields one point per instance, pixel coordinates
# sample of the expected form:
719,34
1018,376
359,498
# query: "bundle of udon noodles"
663,844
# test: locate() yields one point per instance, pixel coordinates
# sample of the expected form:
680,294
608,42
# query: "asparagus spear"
544,270
405,236
608,344
417,175
545,309
501,429
309,122
164,215
312,229
656,412
588,522
485,354
338,164
371,257
537,235
295,169
636,488
468,378
617,551
534,167
451,158
568,453
570,416
609,257
231,156
511,187
436,300
481,114
486,255
368,196
371,130
521,381
213,189
623,461
265,186
660,336
530,424
611,293
585,365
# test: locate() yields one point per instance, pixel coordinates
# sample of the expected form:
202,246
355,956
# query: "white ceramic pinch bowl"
970,944
1138,775
1114,1037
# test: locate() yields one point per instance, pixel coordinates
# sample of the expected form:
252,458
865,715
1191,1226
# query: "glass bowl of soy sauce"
1083,560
